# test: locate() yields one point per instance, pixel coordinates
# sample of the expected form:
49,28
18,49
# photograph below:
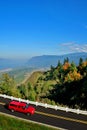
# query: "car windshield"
27,105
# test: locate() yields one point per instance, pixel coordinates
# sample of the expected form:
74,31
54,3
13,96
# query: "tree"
22,90
59,64
73,67
66,60
8,85
66,66
32,95
80,61
73,76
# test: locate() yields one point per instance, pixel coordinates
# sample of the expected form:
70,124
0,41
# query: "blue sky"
42,27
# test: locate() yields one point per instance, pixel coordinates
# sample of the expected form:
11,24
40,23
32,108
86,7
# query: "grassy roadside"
11,123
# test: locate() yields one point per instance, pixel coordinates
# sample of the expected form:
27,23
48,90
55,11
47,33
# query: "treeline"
65,84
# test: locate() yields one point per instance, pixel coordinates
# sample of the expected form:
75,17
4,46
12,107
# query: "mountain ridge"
46,61
43,61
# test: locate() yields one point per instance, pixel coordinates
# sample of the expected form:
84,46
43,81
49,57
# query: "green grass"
10,123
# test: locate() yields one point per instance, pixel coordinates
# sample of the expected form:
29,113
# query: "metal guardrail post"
11,97
78,111
4,96
36,103
27,101
66,109
45,105
55,107
19,99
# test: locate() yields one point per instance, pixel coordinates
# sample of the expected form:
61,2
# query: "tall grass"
10,123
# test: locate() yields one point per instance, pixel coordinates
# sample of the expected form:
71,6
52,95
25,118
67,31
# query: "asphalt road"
56,118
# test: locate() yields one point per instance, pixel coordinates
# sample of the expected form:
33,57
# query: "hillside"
65,84
34,77
46,61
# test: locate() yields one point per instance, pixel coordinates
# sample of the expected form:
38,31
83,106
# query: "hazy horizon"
26,59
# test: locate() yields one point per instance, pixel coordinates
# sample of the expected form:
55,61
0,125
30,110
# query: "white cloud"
67,43
74,47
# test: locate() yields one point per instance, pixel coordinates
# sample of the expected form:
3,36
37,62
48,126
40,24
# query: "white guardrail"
77,111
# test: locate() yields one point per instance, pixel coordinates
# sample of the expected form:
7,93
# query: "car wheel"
12,110
28,114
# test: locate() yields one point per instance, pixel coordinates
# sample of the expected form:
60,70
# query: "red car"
21,107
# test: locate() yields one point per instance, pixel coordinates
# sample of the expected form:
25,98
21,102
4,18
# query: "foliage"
8,85
72,88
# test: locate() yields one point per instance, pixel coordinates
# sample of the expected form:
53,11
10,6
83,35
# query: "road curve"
56,118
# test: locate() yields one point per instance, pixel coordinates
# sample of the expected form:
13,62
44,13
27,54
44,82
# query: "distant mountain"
45,61
10,63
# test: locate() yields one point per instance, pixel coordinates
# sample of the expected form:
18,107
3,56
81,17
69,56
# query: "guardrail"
77,111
